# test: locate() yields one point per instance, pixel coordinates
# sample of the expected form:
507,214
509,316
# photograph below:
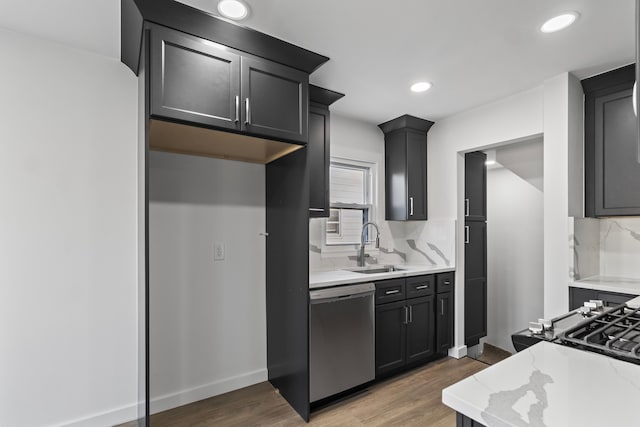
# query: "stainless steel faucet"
361,253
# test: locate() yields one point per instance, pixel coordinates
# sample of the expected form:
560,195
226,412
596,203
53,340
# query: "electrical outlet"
218,251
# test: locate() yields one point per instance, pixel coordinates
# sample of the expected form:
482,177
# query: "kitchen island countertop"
323,279
550,385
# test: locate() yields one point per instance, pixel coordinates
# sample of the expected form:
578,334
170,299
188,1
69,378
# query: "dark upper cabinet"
475,282
319,149
475,187
192,81
199,82
612,172
405,145
275,99
420,328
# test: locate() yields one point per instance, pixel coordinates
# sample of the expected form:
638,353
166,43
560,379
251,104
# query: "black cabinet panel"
444,321
578,296
475,310
475,187
319,161
192,81
444,282
420,328
390,336
390,291
420,286
405,142
475,252
611,172
275,99
417,175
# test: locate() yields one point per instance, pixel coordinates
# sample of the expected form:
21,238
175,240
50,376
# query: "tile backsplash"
421,242
605,247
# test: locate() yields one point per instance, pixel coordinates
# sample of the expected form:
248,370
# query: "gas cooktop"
614,332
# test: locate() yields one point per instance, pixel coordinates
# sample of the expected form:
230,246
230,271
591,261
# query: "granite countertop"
608,283
550,385
323,279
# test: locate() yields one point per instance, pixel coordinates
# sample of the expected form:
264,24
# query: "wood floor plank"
411,399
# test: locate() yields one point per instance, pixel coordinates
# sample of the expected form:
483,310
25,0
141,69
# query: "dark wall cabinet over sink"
414,321
612,172
202,83
405,147
319,149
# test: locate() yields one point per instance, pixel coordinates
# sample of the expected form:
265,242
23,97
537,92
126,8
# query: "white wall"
519,117
68,236
208,318
514,254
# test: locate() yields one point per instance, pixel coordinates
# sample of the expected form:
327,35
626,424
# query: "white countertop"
323,279
550,385
607,283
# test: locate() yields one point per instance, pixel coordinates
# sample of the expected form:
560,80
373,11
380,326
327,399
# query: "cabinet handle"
446,282
466,207
406,315
237,109
421,287
247,111
316,209
410,314
466,234
441,307
394,291
410,206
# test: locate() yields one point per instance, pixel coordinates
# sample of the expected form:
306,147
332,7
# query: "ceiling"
473,52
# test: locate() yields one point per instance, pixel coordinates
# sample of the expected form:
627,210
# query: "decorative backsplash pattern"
605,247
418,243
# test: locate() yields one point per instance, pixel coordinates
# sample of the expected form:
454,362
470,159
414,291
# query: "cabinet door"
275,100
390,336
416,176
475,296
192,81
318,158
395,172
420,328
475,186
444,322
617,171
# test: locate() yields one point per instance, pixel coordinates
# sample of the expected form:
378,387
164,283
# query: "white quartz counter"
550,385
323,279
610,284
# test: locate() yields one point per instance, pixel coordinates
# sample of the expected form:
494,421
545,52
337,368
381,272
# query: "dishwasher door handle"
341,293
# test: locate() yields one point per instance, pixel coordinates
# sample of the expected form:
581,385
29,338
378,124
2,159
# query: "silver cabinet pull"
441,307
447,282
247,108
410,206
237,109
391,292
406,315
466,234
466,207
421,287
316,209
410,314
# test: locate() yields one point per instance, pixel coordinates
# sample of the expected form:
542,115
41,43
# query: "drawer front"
390,291
444,282
420,286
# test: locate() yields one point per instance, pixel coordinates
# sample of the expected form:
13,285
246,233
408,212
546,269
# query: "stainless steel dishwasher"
341,338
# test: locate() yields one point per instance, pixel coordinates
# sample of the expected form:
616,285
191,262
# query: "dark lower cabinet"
578,296
475,282
409,327
612,171
464,421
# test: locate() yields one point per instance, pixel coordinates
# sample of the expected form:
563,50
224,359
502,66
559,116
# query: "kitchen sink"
376,269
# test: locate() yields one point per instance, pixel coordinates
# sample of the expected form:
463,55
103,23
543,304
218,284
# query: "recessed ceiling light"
420,87
233,9
559,22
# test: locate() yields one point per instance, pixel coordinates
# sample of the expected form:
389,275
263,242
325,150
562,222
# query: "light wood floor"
411,399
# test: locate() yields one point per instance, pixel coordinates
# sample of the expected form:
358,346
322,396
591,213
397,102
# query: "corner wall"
68,236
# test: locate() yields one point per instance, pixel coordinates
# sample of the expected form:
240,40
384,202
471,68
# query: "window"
350,199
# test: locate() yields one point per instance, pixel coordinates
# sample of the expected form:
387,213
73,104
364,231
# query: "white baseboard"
184,397
458,352
108,418
169,401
